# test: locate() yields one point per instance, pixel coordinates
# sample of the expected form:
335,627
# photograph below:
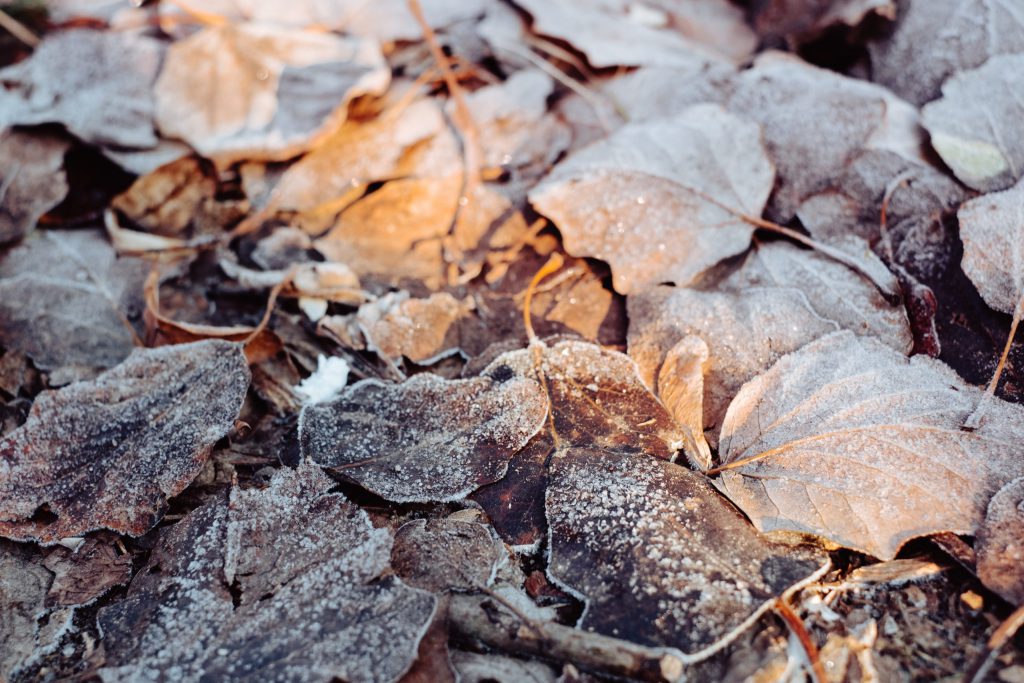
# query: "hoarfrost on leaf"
32,181
446,554
992,230
1000,543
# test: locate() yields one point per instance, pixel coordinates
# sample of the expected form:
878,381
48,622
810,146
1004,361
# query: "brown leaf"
974,131
992,230
109,453
656,554
935,39
165,201
68,302
805,19
86,573
32,181
999,543
443,555
422,330
276,92
24,583
849,440
639,199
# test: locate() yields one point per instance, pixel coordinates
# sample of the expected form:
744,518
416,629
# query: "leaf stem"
974,420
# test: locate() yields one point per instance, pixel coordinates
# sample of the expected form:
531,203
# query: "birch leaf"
110,452
635,200
276,91
849,440
992,230
1000,543
935,39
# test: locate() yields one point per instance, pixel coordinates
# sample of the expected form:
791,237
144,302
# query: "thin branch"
18,29
553,264
974,420
1000,637
796,626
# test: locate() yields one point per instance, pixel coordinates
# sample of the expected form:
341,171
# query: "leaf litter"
350,191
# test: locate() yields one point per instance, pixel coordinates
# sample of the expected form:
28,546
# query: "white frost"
328,381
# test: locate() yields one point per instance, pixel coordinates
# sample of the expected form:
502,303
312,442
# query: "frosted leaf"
61,11
427,438
780,299
446,554
681,389
634,199
98,84
992,230
935,39
32,180
850,440
659,92
815,122
68,302
617,33
276,92
24,583
1000,543
805,19
87,572
475,667
336,616
974,127
422,330
108,453
657,555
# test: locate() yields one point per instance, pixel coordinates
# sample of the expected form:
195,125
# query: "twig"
974,420
796,626
18,29
553,264
1000,637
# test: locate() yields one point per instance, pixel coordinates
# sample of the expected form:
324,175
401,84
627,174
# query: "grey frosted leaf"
850,440
1000,543
426,439
422,330
992,230
658,556
639,199
935,39
784,93
806,19
974,127
277,90
24,583
446,554
32,180
68,301
659,92
616,33
780,299
108,453
98,84
337,614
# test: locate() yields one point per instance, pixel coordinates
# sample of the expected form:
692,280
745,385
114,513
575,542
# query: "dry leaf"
32,180
98,84
166,201
805,19
780,299
24,583
935,39
422,330
1000,543
70,303
85,574
661,92
660,32
849,440
428,439
640,199
657,556
447,554
109,453
276,91
974,126
992,230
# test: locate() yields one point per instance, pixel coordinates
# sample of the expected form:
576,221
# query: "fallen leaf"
801,20
427,438
1000,543
640,199
165,201
70,303
98,84
654,92
83,575
657,556
973,130
849,440
314,627
781,298
422,330
616,33
933,40
108,453
277,90
443,555
32,181
992,230
24,583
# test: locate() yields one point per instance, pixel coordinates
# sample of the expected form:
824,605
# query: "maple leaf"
849,440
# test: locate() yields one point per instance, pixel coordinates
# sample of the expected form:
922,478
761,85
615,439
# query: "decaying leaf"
339,615
166,201
616,33
801,20
24,583
98,84
1000,543
446,554
425,439
109,453
70,303
848,439
644,199
934,39
277,90
973,127
82,575
780,299
32,180
422,330
992,230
